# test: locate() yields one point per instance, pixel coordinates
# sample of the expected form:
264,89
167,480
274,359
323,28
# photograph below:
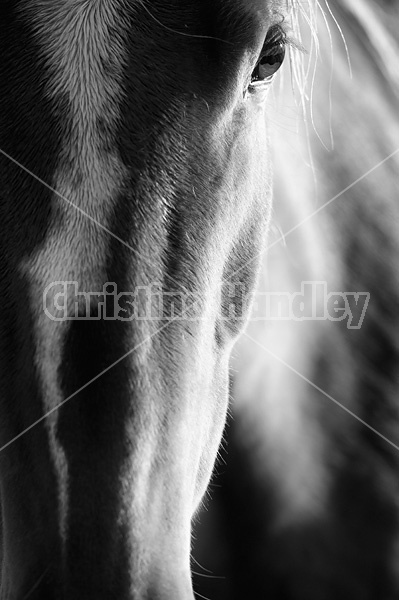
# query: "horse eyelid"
281,34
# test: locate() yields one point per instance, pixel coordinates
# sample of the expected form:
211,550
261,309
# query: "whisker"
35,585
201,596
199,565
208,576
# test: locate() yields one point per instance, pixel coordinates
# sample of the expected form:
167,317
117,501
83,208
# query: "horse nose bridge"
161,569
129,444
166,591
115,475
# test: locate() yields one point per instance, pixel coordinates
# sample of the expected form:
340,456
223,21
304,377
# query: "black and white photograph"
199,316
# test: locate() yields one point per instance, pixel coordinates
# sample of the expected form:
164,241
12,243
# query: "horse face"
193,141
150,133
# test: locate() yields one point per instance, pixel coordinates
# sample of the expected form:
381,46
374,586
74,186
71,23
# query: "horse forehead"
261,7
245,20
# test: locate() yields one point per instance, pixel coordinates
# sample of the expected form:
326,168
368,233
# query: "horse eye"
269,63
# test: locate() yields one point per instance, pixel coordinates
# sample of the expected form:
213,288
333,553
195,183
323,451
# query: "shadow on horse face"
142,163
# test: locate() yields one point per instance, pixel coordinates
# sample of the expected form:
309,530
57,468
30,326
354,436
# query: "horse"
135,199
305,502
135,170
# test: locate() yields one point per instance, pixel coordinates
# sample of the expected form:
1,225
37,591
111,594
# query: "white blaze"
84,58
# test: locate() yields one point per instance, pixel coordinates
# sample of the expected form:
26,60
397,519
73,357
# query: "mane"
371,25
342,231
338,197
316,26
